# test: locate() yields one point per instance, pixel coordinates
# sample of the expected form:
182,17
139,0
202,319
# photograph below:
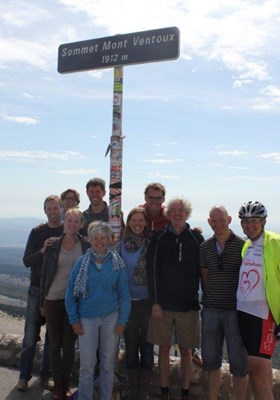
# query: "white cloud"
160,176
19,15
262,105
240,83
27,95
42,155
97,74
252,178
235,153
164,161
75,172
232,167
273,93
30,96
37,54
20,120
275,156
238,168
269,98
30,35
227,108
238,34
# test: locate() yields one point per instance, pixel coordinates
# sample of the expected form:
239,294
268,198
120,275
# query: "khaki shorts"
185,325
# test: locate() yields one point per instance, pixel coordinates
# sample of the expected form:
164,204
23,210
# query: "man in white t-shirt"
258,300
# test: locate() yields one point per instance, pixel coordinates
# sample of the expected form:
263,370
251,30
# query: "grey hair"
185,203
99,227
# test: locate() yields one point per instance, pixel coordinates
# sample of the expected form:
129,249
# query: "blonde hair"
74,210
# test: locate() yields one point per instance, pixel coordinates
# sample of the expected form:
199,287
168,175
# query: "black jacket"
174,269
49,266
33,258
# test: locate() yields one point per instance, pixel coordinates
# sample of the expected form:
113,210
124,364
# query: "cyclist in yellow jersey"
258,300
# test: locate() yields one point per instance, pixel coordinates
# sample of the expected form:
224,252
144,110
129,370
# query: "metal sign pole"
116,51
116,150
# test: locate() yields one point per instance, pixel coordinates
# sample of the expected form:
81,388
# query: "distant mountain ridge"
11,262
14,280
14,232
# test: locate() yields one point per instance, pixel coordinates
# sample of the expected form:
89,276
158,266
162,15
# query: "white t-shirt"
250,292
66,262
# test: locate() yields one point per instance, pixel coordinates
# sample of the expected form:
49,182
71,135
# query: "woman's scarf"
133,243
81,282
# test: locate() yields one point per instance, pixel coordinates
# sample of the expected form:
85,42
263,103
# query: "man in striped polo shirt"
220,260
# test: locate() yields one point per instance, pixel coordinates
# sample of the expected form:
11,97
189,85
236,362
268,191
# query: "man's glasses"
158,198
220,262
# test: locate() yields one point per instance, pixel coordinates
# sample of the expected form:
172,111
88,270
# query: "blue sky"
205,125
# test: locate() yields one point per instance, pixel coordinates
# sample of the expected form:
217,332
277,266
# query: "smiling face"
53,210
253,227
137,223
219,221
95,195
100,242
73,222
177,215
154,199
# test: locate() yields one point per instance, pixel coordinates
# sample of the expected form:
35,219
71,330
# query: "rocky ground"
8,376
15,326
11,324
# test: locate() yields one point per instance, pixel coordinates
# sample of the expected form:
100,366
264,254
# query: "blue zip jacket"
107,292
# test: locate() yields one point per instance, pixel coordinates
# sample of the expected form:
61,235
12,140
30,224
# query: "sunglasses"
247,221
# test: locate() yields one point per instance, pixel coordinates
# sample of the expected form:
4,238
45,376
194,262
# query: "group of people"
148,290
241,302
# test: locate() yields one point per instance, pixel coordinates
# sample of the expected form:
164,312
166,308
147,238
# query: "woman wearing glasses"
70,198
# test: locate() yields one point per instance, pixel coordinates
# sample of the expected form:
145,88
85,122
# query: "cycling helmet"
252,209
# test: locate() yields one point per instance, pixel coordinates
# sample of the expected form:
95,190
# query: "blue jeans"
32,328
216,326
99,332
135,337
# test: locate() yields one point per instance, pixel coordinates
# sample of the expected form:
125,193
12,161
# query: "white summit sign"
133,48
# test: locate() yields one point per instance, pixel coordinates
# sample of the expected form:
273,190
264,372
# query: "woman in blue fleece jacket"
98,305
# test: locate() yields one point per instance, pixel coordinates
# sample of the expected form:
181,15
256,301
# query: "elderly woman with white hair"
98,305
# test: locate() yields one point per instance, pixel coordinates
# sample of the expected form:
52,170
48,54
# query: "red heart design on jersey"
249,280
